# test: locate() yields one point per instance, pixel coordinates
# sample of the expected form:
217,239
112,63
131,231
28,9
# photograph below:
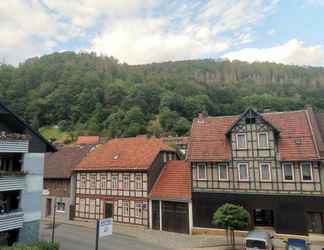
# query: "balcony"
11,220
12,181
14,143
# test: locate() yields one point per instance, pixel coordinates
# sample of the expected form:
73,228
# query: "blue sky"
145,31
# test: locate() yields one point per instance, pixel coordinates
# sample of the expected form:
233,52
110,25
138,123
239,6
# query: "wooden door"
315,222
156,215
109,208
48,207
175,217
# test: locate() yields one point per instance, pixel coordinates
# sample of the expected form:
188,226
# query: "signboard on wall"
105,227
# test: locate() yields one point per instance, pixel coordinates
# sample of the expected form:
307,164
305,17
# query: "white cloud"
293,52
135,31
272,32
184,32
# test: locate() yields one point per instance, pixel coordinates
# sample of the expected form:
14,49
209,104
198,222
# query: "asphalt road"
73,237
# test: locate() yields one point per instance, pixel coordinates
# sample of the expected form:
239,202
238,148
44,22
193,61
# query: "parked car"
297,244
258,240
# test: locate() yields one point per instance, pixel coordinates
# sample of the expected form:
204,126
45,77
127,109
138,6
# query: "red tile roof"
137,153
61,163
92,140
176,140
209,143
174,182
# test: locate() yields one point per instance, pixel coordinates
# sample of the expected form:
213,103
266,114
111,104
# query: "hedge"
43,245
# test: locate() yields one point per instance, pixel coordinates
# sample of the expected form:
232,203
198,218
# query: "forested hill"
87,94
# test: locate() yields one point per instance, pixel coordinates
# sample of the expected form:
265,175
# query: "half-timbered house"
115,179
269,163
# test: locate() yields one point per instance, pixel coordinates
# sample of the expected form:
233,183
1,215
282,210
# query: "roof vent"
116,156
298,141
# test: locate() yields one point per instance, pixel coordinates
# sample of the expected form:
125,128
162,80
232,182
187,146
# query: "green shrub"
42,245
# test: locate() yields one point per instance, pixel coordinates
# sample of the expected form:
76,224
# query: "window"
306,171
103,182
241,141
125,208
138,182
263,140
138,210
114,182
222,172
83,181
126,182
92,181
243,171
250,120
202,172
288,172
265,172
60,205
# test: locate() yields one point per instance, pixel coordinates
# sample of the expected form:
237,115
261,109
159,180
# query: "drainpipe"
190,217
160,206
150,214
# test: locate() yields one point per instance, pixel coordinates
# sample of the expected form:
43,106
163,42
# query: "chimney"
201,117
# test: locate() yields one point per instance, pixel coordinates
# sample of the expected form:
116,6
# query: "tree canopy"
88,94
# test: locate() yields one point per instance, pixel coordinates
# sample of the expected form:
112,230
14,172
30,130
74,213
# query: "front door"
315,222
48,207
109,207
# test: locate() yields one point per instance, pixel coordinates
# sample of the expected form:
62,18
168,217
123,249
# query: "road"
73,237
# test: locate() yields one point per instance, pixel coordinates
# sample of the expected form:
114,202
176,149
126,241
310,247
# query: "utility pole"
53,224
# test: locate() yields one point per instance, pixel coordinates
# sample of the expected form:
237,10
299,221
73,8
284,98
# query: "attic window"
116,156
250,120
298,141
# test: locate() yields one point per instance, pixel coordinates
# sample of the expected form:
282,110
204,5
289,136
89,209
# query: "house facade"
59,188
21,179
268,163
115,180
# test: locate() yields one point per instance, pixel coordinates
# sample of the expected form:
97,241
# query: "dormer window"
241,141
250,120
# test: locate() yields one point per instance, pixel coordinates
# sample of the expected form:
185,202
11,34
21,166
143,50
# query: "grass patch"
54,134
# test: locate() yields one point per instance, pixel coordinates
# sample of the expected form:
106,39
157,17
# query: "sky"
146,31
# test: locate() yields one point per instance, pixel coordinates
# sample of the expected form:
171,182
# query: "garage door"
175,217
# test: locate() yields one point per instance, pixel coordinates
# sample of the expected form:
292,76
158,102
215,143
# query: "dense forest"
89,94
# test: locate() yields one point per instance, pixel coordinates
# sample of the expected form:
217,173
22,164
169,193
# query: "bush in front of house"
42,245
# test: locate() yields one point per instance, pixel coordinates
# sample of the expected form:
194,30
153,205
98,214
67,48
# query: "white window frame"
125,206
311,171
269,171
138,182
292,171
126,182
247,171
219,176
83,181
93,180
267,136
245,140
103,181
138,209
114,182
205,171
60,200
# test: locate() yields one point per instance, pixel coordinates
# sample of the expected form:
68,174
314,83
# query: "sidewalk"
174,241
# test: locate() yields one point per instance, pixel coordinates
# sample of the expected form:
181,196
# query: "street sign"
105,227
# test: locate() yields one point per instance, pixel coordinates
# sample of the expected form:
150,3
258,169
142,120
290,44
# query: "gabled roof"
295,141
61,163
174,182
136,153
257,115
49,147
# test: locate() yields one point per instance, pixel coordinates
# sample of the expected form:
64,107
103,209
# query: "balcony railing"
11,220
9,183
14,145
